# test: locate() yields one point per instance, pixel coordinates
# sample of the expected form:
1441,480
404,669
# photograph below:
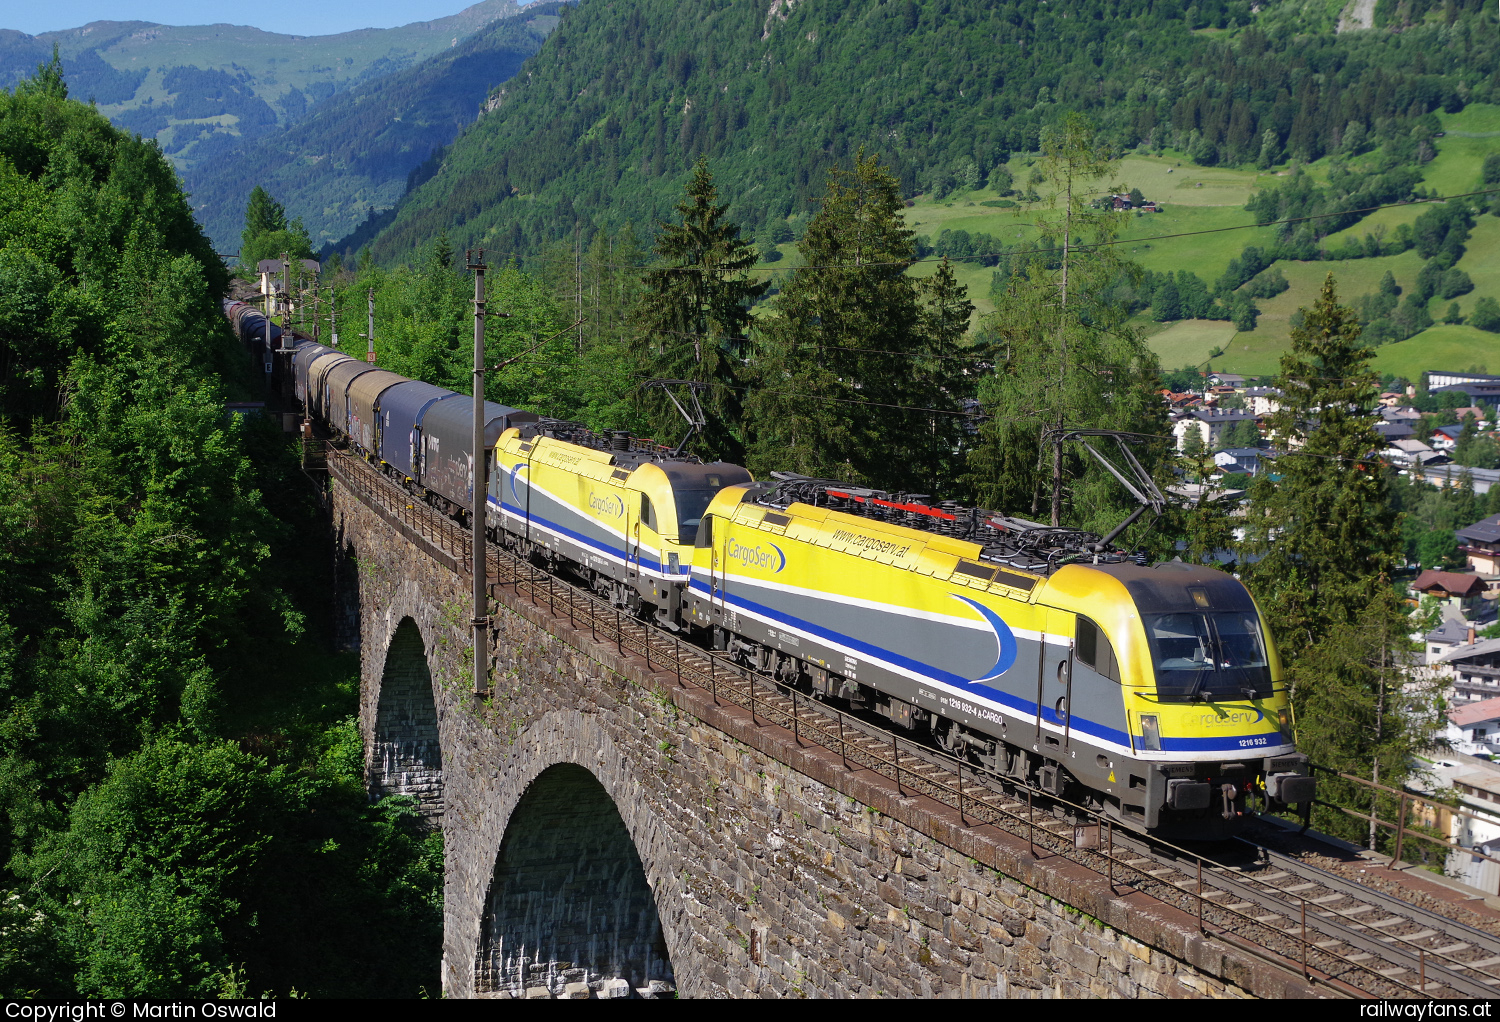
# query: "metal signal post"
479,498
370,337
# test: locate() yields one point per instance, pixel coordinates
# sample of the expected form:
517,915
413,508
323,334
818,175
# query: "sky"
294,17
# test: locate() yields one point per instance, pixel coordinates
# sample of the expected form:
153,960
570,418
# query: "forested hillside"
607,119
356,152
180,773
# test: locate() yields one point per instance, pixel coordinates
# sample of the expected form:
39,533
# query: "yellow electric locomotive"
620,511
1153,693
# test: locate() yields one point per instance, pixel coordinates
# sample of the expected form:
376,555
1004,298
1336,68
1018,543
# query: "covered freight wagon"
317,376
336,388
447,464
400,412
306,354
364,393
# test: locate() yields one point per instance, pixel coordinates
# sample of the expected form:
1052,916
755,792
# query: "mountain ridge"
191,87
607,119
357,151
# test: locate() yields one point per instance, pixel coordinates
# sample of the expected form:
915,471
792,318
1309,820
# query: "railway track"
1350,939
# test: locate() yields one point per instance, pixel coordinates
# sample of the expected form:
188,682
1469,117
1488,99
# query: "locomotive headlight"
1150,733
1285,720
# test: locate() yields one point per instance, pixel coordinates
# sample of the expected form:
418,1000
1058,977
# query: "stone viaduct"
607,831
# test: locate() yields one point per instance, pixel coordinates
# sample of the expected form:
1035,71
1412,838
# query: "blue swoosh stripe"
577,537
1080,724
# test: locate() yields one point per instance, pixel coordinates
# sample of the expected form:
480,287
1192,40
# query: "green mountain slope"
197,88
356,151
606,120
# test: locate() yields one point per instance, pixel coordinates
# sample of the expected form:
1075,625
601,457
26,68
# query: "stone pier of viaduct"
606,831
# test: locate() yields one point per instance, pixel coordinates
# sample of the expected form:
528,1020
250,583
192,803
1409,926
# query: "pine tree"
1328,541
857,374
693,312
263,215
267,234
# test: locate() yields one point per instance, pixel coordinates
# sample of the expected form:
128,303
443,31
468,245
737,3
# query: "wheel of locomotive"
949,737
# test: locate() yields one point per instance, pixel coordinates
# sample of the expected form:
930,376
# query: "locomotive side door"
633,535
1055,684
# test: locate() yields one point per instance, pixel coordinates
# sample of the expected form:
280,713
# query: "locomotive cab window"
690,507
1209,655
705,537
648,514
1092,649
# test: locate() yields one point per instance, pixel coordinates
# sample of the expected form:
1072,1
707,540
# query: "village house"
1462,592
1241,460
1210,424
1392,432
1474,729
1480,544
1453,632
1445,438
1262,400
1401,415
1406,452
1439,470
1471,672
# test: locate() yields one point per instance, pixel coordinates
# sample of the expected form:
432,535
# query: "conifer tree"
693,312
267,233
47,79
1065,356
857,374
1328,539
1328,523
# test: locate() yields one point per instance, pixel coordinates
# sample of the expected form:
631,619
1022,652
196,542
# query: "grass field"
1207,255
1211,199
1481,262
1457,348
1476,117
1187,342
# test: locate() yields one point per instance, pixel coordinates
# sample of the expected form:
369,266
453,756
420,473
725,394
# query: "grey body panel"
336,392
317,373
447,438
302,360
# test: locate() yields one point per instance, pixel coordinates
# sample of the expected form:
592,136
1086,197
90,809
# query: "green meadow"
1204,224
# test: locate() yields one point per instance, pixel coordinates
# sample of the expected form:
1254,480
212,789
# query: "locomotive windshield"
1209,655
694,487
690,507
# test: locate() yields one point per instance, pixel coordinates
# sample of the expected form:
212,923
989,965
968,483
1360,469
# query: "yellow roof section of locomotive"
897,545
599,466
1104,599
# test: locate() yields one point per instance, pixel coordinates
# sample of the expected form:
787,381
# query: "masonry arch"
568,899
405,753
